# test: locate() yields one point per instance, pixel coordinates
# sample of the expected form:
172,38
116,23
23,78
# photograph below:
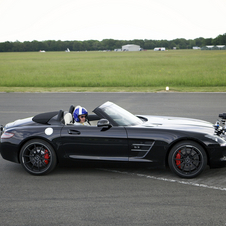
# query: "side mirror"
104,123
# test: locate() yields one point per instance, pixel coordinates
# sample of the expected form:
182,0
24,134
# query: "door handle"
71,131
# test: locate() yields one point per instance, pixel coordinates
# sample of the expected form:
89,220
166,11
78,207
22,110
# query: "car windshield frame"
117,115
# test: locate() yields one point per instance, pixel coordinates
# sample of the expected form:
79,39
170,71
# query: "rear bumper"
9,152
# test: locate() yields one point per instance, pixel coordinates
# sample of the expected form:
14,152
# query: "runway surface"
112,196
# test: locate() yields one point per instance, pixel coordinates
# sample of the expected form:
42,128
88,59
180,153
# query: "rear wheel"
187,159
38,157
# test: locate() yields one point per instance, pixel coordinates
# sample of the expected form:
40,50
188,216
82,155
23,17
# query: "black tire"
187,159
38,157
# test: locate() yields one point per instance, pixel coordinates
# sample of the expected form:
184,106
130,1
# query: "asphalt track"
112,196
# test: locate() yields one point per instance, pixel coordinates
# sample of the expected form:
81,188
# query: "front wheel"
38,157
187,159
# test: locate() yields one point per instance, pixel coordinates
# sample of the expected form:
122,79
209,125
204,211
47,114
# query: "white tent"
209,47
221,46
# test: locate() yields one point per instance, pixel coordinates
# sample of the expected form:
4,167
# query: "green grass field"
146,71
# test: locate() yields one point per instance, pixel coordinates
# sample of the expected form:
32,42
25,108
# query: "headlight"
218,139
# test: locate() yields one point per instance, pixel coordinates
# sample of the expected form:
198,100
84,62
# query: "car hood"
178,123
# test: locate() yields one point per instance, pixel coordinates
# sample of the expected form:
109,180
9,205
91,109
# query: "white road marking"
168,180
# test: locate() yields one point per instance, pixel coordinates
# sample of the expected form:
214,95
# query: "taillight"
7,135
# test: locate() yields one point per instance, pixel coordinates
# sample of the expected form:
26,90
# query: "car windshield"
120,116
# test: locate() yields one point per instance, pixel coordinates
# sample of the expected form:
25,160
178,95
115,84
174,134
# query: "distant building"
196,47
218,47
131,47
159,49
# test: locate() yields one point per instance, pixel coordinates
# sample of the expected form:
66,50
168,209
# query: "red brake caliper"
178,156
46,156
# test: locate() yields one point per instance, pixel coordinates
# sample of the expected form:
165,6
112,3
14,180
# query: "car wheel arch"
186,139
35,138
38,157
188,158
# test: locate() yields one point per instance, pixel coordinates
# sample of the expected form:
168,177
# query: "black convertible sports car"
115,135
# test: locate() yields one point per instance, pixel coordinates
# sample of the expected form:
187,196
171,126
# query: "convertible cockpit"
116,116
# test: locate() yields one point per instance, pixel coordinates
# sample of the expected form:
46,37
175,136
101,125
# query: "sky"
28,20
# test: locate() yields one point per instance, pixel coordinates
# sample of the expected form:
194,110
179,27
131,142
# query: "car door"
94,143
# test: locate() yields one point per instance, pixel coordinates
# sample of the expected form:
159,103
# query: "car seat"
68,120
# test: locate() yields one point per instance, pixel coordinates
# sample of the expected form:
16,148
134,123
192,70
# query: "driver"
80,115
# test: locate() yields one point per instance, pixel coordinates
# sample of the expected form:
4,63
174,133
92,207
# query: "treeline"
107,44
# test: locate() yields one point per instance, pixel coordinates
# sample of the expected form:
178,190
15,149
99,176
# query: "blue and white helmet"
79,111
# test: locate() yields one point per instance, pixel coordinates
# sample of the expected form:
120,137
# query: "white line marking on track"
168,180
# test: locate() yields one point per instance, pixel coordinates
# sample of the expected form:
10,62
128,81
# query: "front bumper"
217,157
